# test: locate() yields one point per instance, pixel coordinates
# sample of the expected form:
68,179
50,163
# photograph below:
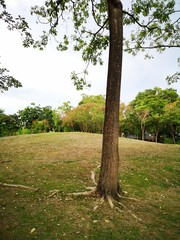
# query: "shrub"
23,131
40,126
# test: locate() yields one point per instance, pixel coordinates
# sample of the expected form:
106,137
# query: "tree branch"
141,25
152,47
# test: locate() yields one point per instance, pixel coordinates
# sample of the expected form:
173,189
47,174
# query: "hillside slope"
63,162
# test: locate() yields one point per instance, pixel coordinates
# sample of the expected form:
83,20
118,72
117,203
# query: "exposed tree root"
93,178
86,193
132,214
111,201
54,192
18,186
92,189
100,202
134,199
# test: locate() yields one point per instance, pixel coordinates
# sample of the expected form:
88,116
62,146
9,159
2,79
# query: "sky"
45,75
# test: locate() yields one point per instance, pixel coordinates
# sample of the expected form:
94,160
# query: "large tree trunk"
108,183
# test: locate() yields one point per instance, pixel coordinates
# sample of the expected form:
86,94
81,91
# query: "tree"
149,105
57,121
98,99
172,118
9,124
31,115
88,116
65,108
156,30
130,124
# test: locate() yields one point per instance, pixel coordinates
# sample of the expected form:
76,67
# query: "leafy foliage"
40,126
158,25
7,81
148,110
38,118
171,118
9,124
87,117
156,110
153,24
98,99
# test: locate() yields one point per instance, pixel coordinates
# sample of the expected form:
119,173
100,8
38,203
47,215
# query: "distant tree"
142,115
65,108
28,115
149,105
87,117
57,121
171,118
9,124
121,117
98,99
34,113
131,126
40,126
47,114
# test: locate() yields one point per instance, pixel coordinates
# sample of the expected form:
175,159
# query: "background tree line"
153,115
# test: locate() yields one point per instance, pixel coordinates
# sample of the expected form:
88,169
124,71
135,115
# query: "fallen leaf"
107,221
32,230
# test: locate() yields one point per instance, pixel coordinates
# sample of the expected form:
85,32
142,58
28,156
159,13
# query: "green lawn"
149,172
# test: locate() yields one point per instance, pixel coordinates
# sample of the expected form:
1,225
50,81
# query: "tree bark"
142,131
157,133
108,183
171,129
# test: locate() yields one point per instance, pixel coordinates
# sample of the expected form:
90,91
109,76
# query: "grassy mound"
63,161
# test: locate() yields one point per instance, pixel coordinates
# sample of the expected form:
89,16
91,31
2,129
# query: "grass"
149,172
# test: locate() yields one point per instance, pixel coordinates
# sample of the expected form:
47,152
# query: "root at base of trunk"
18,186
116,205
86,193
114,202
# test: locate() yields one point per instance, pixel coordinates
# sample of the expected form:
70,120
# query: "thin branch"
101,27
152,47
94,14
176,11
176,21
141,25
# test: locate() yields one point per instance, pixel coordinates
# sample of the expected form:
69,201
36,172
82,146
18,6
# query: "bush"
40,126
23,131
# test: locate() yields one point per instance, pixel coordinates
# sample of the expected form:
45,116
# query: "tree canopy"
148,110
151,24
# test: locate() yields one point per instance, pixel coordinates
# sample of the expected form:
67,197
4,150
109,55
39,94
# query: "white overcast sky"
45,75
